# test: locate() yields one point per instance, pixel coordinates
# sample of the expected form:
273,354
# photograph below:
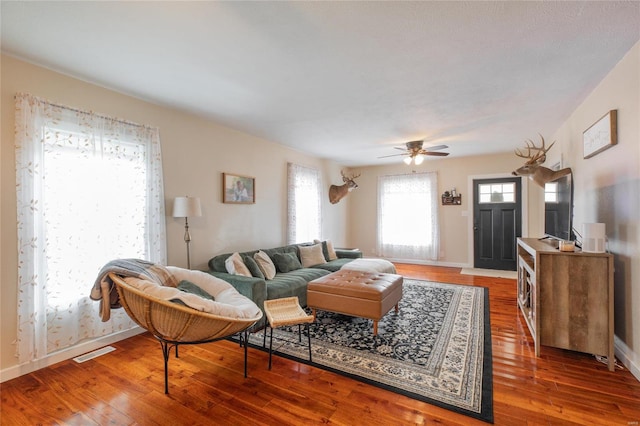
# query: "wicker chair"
173,324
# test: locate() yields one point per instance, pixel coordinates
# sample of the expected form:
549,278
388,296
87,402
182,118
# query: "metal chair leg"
309,338
246,344
264,337
166,349
270,346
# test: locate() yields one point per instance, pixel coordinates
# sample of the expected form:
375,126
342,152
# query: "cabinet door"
574,301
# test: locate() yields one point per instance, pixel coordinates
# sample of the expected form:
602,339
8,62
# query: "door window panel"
497,193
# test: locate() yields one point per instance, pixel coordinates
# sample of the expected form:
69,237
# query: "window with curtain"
408,217
89,190
304,204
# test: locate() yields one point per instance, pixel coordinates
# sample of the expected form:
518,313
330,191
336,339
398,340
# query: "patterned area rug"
437,349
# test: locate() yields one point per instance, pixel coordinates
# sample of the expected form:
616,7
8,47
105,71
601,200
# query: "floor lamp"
187,207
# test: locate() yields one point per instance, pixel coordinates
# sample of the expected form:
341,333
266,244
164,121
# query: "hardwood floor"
207,386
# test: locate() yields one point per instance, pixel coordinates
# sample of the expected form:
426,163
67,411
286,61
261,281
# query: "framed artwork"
601,135
237,189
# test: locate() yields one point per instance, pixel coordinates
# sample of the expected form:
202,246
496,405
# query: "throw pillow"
331,250
286,262
252,266
236,266
265,264
189,287
327,249
311,255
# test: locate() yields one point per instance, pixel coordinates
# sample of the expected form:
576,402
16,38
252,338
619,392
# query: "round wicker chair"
173,324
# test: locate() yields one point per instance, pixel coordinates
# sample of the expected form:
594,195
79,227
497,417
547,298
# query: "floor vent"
94,354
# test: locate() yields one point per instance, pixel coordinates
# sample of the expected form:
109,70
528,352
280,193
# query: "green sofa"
292,283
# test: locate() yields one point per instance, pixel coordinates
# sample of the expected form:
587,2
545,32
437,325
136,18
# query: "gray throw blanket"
104,290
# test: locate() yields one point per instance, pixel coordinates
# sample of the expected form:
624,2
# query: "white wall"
607,189
196,152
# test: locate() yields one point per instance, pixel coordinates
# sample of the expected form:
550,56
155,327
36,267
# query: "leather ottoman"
361,294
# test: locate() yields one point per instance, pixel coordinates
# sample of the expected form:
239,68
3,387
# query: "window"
304,205
408,216
497,193
89,191
551,192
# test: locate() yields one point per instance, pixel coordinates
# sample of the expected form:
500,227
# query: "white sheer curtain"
408,216
89,190
304,205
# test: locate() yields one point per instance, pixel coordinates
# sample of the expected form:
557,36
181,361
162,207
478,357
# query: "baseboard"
429,262
627,357
68,353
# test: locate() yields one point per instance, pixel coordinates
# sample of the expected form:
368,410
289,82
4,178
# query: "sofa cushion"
327,249
311,255
252,266
293,283
217,263
285,249
287,285
265,264
235,265
333,265
286,262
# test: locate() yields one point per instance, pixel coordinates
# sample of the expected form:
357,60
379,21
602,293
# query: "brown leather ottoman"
359,294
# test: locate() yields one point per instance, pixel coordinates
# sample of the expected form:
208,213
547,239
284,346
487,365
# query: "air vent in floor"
94,354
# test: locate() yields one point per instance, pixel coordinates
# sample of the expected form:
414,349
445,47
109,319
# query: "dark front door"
497,222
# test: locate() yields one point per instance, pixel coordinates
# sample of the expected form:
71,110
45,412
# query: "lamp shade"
187,207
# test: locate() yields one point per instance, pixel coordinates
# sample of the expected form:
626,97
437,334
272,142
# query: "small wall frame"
238,189
601,135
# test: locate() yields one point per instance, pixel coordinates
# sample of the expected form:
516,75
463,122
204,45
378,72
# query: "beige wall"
607,190
455,238
195,153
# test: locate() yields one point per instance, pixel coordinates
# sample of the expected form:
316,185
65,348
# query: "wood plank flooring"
125,387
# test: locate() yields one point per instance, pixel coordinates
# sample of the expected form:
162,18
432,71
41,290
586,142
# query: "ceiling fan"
415,153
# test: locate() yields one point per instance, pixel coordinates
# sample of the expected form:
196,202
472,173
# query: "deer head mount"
536,155
337,193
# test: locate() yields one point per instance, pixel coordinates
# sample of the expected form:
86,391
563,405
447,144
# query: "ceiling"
346,81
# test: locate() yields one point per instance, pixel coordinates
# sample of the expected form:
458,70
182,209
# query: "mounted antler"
533,166
337,193
349,178
538,157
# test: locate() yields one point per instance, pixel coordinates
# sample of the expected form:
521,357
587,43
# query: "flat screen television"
558,208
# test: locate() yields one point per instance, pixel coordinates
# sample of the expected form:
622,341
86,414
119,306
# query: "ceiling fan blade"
400,148
438,154
393,155
436,148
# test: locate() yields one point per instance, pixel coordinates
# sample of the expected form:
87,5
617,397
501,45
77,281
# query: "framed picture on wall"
238,189
601,135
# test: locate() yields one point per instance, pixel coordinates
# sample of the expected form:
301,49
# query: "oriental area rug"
437,349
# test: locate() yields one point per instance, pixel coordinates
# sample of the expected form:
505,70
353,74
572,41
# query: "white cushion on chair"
228,302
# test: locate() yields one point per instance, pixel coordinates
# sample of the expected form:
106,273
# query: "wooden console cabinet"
566,298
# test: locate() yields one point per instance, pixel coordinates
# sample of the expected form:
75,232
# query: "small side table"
285,311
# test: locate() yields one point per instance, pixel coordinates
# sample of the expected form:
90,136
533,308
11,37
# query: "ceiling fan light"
407,160
419,159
